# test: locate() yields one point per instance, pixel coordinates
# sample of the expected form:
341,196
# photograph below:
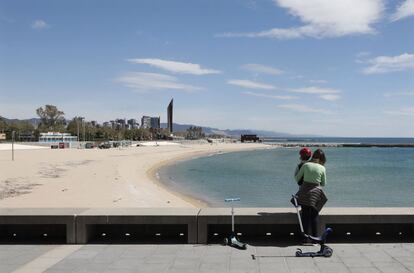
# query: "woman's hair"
319,157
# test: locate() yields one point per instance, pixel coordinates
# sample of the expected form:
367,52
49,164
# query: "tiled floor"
364,258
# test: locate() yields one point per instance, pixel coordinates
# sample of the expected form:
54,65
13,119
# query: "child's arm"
323,178
299,175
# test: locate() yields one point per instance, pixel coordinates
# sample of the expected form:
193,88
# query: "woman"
310,195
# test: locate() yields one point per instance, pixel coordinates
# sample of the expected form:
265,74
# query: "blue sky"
325,67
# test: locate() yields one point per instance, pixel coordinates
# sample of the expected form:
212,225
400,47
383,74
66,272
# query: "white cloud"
303,108
318,81
315,90
406,111
323,93
324,18
277,97
251,84
176,67
398,94
406,9
141,81
386,64
259,68
39,25
330,97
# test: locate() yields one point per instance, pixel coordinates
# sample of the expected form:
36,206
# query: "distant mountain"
232,133
33,121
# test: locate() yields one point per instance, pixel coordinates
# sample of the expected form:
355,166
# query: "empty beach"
117,177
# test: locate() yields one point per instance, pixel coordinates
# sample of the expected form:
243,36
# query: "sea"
356,177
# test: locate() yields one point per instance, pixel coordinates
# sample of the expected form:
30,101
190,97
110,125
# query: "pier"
338,145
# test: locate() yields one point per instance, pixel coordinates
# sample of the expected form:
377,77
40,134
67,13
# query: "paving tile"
160,259
21,259
186,264
304,270
125,271
272,268
91,267
174,270
354,258
213,267
69,264
83,254
391,267
378,256
356,262
54,270
248,265
126,264
348,251
364,270
7,268
152,268
333,267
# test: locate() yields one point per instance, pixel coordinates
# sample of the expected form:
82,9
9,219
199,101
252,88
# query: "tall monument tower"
170,116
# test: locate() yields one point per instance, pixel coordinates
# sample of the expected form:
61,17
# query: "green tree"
3,125
51,118
194,132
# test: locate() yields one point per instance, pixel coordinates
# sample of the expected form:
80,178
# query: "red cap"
305,152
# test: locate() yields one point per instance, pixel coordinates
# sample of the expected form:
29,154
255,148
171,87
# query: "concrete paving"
354,258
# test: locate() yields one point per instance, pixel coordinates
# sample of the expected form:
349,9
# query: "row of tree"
52,120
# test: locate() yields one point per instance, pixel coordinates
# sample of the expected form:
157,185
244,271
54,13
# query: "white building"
56,137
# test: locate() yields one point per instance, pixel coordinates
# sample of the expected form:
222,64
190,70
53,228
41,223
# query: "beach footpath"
353,258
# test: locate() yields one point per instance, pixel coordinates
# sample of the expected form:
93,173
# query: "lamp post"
13,132
77,123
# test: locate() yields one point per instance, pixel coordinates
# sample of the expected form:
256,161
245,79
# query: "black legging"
310,220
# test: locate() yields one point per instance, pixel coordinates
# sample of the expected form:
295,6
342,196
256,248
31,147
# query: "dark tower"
170,116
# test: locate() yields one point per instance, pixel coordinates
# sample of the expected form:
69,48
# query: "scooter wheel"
328,252
226,241
298,253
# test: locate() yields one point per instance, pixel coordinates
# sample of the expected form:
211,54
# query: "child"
305,154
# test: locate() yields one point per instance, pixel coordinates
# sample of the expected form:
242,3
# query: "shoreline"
194,200
95,178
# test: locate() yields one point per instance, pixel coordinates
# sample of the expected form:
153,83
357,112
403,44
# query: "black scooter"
232,239
325,251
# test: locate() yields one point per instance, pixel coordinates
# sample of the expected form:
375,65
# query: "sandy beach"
98,178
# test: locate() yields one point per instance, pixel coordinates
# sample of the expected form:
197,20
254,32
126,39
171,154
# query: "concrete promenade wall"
189,225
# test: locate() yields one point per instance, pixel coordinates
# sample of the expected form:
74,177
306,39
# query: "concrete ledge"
40,219
86,221
273,220
367,224
78,225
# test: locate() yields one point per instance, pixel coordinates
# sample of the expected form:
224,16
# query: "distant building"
27,136
120,123
170,116
56,137
150,122
133,124
113,124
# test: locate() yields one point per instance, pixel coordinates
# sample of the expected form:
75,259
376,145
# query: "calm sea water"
355,177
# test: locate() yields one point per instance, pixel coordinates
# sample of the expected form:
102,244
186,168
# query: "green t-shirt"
312,173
